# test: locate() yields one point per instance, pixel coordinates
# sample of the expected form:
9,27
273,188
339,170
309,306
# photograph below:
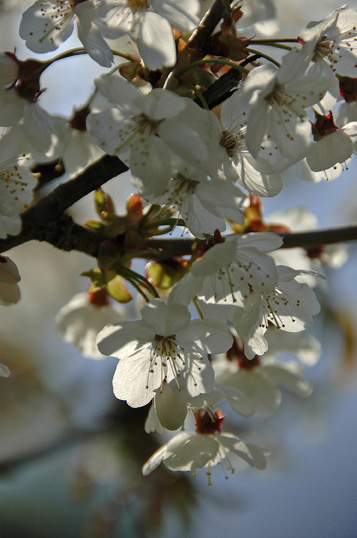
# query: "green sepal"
96,276
118,290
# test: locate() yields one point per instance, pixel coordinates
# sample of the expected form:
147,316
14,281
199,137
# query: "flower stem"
261,54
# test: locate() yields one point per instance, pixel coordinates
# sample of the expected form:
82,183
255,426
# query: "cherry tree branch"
46,221
167,248
200,36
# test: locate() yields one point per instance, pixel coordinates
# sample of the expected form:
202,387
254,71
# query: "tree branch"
45,220
320,237
199,38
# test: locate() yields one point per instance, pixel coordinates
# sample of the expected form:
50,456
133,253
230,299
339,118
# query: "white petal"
288,376
122,339
331,149
42,130
10,225
8,69
259,389
206,336
171,406
119,91
135,381
252,454
160,104
152,423
165,320
154,38
183,141
183,13
199,375
151,165
93,42
263,241
11,108
190,452
46,24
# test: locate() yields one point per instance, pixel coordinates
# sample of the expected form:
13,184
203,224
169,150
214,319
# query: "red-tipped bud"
98,296
134,207
206,424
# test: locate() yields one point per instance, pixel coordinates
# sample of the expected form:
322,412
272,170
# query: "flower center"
288,104
165,346
229,142
166,353
181,187
145,123
323,48
138,5
185,184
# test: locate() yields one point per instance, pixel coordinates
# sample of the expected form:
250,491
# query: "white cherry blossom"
305,347
170,406
203,203
332,145
207,447
256,175
19,107
290,307
146,130
278,99
80,320
47,23
228,157
16,193
228,270
332,43
259,380
148,25
163,346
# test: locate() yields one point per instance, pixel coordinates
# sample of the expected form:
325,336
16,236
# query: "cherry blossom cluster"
219,319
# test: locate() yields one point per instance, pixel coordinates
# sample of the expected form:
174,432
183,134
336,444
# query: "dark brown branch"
45,222
320,237
180,247
199,38
65,195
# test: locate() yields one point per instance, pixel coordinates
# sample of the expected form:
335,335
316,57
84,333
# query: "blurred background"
71,454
